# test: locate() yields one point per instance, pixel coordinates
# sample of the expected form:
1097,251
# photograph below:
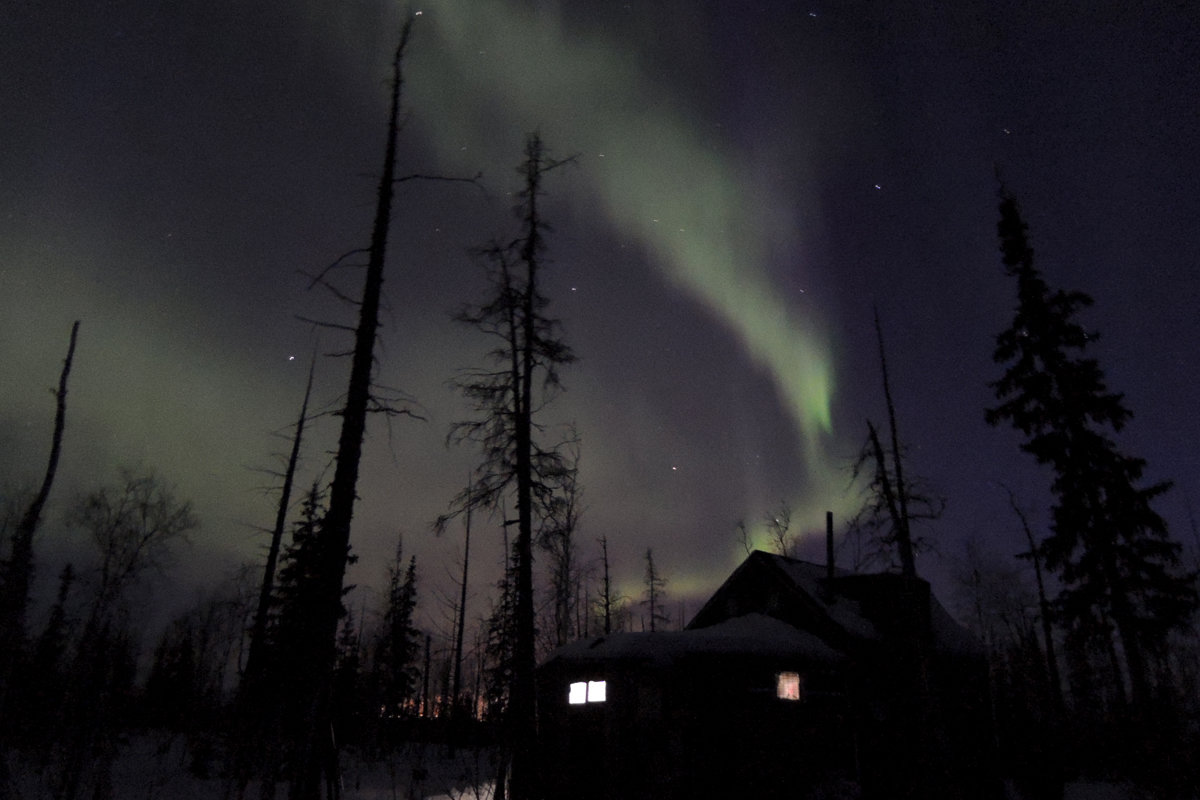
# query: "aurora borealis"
748,184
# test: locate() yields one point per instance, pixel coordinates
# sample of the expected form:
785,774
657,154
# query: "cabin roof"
752,634
847,608
775,606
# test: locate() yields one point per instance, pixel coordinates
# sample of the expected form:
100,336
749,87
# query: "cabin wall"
699,727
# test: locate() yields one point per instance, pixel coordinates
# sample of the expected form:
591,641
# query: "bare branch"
417,176
319,323
337,264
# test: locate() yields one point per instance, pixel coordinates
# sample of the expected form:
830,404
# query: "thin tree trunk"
889,494
456,684
908,564
423,707
252,712
259,633
607,588
1035,555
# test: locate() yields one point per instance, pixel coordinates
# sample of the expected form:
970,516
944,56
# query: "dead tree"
18,573
259,633
1045,610
513,462
899,505
893,500
778,523
606,596
654,599
318,751
461,620
252,709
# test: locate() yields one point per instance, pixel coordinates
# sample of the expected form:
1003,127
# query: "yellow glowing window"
789,686
582,692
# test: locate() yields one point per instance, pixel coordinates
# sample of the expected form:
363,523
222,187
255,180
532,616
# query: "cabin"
794,680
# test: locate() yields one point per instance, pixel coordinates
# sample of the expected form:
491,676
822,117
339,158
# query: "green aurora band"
662,180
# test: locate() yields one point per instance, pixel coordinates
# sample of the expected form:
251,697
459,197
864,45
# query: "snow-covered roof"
752,634
811,579
826,620
840,602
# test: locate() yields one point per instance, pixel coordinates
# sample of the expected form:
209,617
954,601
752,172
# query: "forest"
278,684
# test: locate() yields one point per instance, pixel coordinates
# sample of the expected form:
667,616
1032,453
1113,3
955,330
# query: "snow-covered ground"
1095,790
157,767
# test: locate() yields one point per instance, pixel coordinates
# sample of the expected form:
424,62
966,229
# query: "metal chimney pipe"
829,545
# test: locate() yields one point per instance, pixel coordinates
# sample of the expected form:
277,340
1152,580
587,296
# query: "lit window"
789,686
582,692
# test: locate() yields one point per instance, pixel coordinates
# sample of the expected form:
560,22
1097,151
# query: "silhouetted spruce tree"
172,687
654,597
508,397
557,539
42,693
608,602
499,638
1118,569
294,629
279,704
399,643
347,685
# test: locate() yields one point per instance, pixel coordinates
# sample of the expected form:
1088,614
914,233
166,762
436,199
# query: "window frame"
587,692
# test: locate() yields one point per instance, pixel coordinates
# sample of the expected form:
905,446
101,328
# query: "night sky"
751,180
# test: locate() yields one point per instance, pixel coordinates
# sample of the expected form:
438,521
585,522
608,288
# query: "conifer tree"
292,632
399,642
1118,568
171,692
499,640
347,687
508,397
654,598
44,682
558,541
607,601
296,596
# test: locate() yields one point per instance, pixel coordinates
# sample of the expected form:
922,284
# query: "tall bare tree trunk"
254,711
456,683
908,564
607,599
334,536
259,634
522,701
18,573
